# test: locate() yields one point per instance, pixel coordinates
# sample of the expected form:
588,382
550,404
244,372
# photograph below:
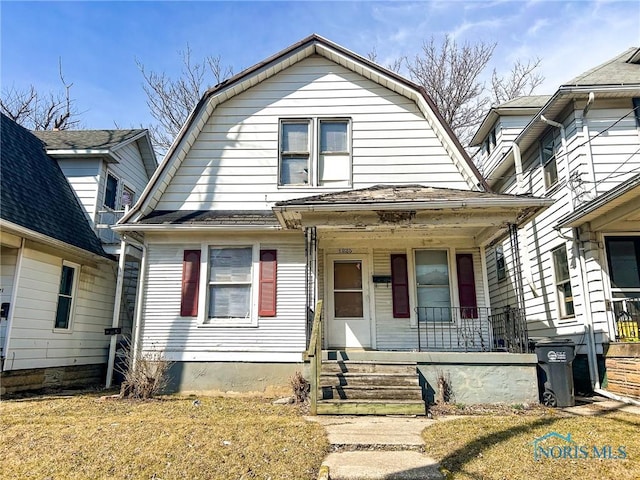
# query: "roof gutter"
164,227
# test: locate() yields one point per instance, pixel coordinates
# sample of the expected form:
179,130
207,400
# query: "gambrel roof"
35,194
312,45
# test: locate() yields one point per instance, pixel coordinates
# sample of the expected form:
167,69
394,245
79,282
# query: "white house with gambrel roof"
318,175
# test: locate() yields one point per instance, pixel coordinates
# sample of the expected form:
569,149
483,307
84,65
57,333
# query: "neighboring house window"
548,153
432,282
636,110
501,270
623,258
66,292
563,281
111,192
128,197
330,165
294,152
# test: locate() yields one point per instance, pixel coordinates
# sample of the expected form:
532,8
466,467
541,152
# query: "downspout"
517,160
594,374
116,311
563,138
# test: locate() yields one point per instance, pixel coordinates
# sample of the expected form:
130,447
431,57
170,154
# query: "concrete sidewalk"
371,448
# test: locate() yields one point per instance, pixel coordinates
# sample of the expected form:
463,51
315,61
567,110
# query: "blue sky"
99,42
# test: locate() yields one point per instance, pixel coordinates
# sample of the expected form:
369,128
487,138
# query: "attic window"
110,192
294,152
548,153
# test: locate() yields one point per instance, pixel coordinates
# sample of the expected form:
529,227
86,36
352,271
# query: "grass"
84,437
498,447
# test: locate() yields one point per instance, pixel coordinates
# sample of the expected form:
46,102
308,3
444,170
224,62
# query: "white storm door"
349,323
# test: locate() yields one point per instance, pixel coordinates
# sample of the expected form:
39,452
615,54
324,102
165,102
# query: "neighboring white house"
108,170
58,283
579,261
315,174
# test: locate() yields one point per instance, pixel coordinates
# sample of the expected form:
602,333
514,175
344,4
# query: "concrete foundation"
236,377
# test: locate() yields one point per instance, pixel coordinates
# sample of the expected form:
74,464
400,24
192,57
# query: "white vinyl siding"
83,175
233,163
184,338
33,343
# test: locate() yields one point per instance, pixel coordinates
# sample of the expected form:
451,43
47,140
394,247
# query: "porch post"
116,312
515,254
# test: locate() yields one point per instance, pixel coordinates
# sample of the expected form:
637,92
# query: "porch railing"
314,356
105,219
471,329
626,312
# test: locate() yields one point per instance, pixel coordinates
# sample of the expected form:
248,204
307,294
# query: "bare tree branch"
394,66
170,100
521,80
39,110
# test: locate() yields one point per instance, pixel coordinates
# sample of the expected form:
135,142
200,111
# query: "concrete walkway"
371,448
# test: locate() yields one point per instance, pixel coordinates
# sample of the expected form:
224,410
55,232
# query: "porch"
366,381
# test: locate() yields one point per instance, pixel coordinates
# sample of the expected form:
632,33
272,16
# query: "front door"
349,324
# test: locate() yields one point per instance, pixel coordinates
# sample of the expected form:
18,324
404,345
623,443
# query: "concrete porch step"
371,407
377,392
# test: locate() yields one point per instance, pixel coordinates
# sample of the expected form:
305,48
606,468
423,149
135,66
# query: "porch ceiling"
413,209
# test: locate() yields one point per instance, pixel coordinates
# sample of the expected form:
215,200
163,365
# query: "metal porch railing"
626,312
471,329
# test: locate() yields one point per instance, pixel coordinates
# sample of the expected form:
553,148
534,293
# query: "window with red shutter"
400,286
268,273
190,283
466,286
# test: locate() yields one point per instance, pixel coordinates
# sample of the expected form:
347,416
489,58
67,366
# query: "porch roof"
482,215
163,219
613,210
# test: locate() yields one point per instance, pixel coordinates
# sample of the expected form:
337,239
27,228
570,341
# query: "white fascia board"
129,140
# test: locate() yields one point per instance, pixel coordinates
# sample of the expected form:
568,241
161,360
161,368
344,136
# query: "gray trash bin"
555,374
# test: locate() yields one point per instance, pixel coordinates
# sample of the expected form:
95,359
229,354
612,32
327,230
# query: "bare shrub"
145,376
444,393
300,387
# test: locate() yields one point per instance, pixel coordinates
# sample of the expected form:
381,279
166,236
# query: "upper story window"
548,160
563,282
491,142
315,152
636,109
111,192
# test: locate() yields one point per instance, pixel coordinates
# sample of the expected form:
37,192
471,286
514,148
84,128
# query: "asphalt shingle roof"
616,71
85,139
35,194
528,101
392,193
210,217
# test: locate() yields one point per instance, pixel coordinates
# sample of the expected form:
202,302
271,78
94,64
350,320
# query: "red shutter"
466,286
400,286
190,283
268,271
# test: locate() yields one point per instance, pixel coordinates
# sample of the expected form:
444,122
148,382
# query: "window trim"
314,153
203,299
560,304
74,294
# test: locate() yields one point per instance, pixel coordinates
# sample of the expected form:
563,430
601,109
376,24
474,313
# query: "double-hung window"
66,293
230,278
563,282
548,154
111,192
432,282
294,152
314,151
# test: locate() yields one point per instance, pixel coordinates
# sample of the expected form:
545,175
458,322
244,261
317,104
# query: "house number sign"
345,250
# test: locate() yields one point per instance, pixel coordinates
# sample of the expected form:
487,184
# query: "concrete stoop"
376,448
